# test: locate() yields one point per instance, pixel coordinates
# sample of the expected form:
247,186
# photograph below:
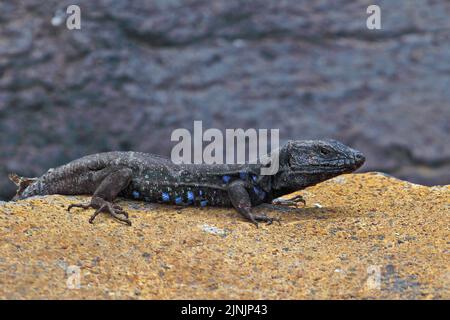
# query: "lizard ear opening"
21,182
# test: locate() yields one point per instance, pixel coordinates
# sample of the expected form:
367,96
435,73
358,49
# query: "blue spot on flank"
135,194
226,179
261,194
165,196
178,200
204,203
190,196
254,178
243,175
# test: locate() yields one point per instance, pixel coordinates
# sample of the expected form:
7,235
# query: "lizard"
152,178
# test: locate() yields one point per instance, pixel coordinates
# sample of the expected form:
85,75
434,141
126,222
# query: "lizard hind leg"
106,192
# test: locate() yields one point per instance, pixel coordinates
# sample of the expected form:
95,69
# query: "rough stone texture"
139,69
351,224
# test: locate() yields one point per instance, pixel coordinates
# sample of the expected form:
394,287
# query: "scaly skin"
152,178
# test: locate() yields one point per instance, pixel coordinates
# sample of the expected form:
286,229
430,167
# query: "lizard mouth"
337,166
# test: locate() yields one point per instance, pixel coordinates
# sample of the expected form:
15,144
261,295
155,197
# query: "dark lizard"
152,178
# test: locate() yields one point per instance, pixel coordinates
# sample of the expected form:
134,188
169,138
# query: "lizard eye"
324,152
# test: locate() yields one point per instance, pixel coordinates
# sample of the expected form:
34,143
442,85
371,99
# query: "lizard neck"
289,182
286,190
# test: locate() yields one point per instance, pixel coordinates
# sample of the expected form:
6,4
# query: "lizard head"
308,162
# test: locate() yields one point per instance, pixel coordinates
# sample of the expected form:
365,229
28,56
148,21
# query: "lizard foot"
294,201
264,218
101,205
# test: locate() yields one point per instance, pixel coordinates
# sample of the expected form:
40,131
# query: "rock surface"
139,69
360,236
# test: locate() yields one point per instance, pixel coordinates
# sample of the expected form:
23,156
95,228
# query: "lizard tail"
21,182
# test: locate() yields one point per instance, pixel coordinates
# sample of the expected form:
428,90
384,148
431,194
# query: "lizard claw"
265,218
79,205
120,210
115,211
294,201
253,220
101,205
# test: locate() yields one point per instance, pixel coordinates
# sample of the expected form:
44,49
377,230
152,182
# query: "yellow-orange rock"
360,236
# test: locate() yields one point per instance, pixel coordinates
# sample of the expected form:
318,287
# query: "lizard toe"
267,219
79,205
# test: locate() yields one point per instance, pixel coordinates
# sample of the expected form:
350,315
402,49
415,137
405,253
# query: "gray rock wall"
139,69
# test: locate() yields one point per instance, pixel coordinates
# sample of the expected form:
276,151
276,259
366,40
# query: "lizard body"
153,178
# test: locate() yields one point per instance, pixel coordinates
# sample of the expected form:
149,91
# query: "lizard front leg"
241,202
105,194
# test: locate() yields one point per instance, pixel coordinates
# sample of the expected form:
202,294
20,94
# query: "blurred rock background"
139,69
